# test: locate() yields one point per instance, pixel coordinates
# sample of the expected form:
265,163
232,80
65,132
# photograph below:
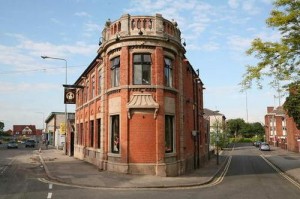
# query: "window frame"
145,68
92,127
93,92
115,71
169,134
168,72
115,141
99,133
100,82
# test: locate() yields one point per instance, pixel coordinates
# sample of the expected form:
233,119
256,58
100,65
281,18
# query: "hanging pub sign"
70,96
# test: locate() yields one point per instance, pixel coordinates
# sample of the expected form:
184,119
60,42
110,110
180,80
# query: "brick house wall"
281,130
152,122
293,140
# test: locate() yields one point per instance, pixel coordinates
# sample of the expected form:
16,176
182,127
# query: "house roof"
20,128
52,114
208,112
278,111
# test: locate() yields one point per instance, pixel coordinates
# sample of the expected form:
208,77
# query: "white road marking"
281,173
49,195
50,186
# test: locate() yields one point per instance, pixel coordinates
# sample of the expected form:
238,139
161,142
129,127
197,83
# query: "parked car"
12,144
30,143
257,144
264,147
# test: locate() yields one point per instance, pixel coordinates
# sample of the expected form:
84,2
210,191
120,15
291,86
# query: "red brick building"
24,130
281,130
141,107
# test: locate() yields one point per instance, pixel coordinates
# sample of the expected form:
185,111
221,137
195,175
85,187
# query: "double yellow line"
281,173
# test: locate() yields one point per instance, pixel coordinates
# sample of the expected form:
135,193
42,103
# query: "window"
142,69
78,134
168,73
92,133
169,134
87,91
99,133
93,87
81,134
99,82
115,134
115,72
86,134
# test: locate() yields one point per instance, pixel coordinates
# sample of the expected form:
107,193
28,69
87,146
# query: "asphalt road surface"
19,171
247,175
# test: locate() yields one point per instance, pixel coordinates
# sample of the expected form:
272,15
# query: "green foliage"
292,103
1,127
278,60
238,127
234,126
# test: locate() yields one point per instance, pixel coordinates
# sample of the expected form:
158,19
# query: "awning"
142,101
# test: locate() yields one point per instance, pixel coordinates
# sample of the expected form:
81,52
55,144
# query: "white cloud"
249,6
25,53
26,88
269,36
208,47
238,43
233,4
91,27
82,14
56,21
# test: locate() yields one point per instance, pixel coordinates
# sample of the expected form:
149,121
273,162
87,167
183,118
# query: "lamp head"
44,57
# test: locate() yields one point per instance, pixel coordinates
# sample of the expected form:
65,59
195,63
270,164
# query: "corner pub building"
140,110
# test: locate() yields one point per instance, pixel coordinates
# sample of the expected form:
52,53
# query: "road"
19,171
247,176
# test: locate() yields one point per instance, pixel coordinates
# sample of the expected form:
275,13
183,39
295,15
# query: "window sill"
117,155
170,154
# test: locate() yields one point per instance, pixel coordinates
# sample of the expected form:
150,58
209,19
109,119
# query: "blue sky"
217,34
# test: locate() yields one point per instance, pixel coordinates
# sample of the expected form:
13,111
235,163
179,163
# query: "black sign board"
70,96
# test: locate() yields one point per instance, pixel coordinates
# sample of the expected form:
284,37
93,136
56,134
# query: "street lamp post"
217,137
43,119
43,130
66,109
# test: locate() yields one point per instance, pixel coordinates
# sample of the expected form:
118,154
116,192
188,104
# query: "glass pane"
137,74
137,58
115,134
112,78
117,80
166,80
116,61
168,134
147,59
170,78
167,62
146,74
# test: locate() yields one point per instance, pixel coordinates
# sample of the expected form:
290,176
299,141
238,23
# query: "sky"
217,34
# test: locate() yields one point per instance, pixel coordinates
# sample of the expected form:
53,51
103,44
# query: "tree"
1,127
234,126
278,60
292,103
238,127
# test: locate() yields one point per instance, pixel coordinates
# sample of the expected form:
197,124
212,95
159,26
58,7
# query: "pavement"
69,170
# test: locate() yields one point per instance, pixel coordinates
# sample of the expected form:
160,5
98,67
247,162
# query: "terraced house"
140,106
